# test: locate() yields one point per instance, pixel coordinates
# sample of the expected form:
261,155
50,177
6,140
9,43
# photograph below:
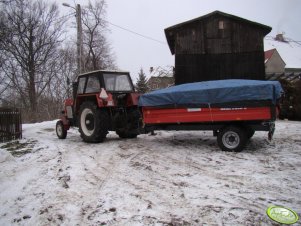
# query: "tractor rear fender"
96,98
132,99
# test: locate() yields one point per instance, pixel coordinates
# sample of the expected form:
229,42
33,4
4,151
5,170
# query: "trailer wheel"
93,123
60,130
232,138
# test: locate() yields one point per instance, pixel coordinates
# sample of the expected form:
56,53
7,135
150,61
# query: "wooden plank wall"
194,68
10,124
204,52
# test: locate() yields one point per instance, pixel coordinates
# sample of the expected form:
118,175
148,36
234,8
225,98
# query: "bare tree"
97,51
51,102
30,49
3,34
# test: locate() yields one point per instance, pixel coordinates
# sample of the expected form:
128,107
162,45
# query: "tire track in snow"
80,174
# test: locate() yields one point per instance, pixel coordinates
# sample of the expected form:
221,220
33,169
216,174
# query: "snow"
289,51
5,156
173,178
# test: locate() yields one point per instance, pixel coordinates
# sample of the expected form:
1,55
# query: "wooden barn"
217,46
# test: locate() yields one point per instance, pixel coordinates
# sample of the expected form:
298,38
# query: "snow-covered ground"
173,178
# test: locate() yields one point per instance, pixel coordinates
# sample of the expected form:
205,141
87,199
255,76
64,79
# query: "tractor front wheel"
60,130
93,123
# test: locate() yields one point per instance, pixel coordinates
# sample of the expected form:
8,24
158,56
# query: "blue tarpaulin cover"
213,92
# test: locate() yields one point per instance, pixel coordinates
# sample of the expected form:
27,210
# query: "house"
217,46
155,83
273,62
160,78
282,55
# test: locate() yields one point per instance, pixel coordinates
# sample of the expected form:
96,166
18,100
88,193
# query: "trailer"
233,109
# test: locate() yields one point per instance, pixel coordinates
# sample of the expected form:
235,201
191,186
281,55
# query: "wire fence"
10,124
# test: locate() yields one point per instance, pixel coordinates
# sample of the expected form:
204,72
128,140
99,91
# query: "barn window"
221,25
193,34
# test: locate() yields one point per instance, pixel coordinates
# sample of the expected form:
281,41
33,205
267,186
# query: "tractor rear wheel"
93,123
60,130
250,132
129,126
232,138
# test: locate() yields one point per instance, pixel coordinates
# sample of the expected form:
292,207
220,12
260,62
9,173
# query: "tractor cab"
114,82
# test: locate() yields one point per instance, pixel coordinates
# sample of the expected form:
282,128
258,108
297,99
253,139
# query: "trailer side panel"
197,115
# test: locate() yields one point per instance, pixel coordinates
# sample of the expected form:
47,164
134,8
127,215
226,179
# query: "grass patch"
17,148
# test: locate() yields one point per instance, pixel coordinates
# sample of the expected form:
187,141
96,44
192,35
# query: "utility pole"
79,42
79,39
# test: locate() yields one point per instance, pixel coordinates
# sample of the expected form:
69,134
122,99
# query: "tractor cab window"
81,85
117,82
93,85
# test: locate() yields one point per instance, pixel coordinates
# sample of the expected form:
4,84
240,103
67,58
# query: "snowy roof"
166,71
268,54
289,50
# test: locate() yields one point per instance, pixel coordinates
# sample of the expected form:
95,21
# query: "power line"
136,33
65,16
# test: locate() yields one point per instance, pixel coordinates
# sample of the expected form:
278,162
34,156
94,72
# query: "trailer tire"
93,123
60,130
232,138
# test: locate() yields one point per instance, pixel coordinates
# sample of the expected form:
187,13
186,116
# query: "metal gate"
10,124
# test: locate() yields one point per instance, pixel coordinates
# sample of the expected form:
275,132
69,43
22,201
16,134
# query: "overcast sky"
151,17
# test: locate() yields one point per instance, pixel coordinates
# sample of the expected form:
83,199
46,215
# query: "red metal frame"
190,115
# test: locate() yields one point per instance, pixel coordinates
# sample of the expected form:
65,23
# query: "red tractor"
102,101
